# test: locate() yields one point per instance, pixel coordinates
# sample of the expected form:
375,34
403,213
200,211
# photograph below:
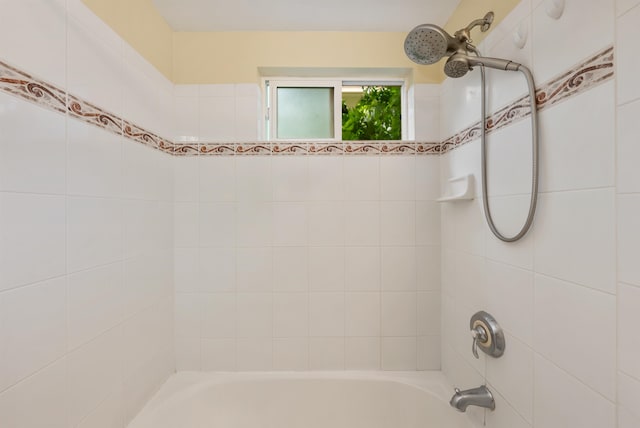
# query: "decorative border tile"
397,148
216,149
368,148
93,115
19,83
301,148
428,148
332,148
594,71
591,72
166,146
185,150
259,148
141,135
290,148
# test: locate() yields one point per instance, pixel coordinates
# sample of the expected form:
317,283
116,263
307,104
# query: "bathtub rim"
183,384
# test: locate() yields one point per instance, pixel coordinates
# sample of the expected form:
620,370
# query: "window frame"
270,86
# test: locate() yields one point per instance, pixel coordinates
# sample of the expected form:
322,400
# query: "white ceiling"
301,15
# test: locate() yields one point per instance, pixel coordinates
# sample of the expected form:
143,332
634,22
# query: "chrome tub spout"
480,396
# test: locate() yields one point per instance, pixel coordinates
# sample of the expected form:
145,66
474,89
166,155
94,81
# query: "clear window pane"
305,113
371,113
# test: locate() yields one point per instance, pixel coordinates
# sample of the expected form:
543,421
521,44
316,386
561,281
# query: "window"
372,112
335,109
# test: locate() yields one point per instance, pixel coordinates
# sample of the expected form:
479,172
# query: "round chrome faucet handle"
487,335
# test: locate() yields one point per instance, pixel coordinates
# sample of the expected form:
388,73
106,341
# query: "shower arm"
464,35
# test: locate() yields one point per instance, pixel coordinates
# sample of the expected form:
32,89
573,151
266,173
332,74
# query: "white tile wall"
628,179
363,353
45,391
628,347
309,227
575,156
627,62
217,354
628,235
227,112
557,47
96,69
34,329
427,112
88,387
575,238
296,263
573,278
513,376
290,315
509,161
324,269
103,284
628,209
507,417
94,162
40,25
32,247
86,228
362,314
326,353
291,354
557,395
564,311
94,232
628,397
37,165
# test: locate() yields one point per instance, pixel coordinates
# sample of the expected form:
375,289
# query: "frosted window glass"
305,113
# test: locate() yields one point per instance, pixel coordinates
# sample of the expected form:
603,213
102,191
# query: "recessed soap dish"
463,187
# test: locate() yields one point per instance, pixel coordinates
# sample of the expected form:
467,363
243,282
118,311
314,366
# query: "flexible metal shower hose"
534,158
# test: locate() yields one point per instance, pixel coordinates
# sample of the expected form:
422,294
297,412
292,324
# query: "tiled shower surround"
314,256
86,223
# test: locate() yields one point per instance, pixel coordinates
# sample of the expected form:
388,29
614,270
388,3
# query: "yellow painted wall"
139,23
234,57
228,57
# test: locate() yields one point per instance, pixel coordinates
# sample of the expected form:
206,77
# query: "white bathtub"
302,400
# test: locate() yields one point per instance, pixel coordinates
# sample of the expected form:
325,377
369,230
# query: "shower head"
427,44
459,64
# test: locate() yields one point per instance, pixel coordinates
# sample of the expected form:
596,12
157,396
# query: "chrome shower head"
427,44
459,64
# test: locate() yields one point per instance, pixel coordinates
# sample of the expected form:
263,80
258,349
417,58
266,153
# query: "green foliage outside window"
375,117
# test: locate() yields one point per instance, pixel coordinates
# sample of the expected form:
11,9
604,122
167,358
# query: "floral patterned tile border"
595,70
16,82
93,115
591,72
23,85
303,148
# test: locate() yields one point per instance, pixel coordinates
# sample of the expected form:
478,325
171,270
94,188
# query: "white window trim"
270,85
